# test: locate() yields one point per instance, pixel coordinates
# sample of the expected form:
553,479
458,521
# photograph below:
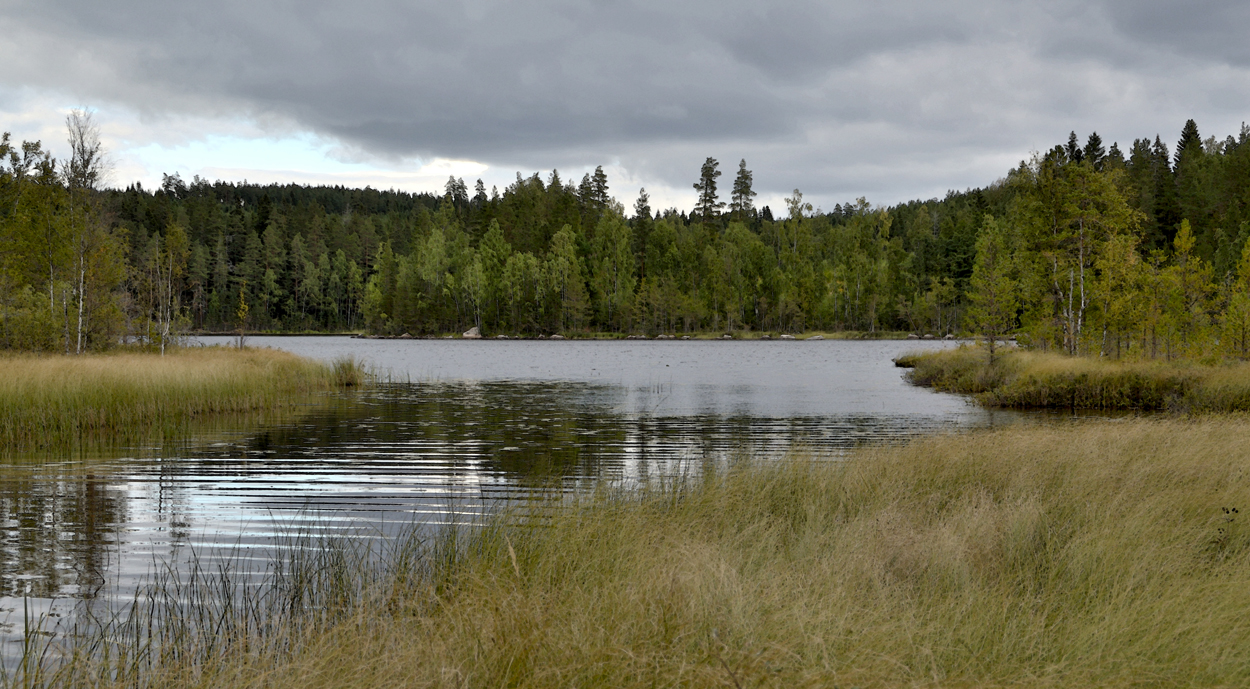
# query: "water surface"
464,426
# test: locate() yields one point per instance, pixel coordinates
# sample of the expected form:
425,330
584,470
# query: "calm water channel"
470,424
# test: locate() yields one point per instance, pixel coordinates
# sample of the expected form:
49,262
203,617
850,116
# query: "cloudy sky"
890,100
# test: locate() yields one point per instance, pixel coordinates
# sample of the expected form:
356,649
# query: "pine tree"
599,188
479,194
741,205
707,206
642,229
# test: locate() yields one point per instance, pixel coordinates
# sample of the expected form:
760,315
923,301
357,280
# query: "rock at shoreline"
913,336
816,337
472,334
557,336
787,337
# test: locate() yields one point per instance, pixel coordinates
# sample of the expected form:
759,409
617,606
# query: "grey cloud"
819,93
1213,29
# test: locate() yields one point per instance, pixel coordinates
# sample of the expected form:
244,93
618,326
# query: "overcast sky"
887,100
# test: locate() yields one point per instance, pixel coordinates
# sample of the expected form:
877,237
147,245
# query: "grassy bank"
1024,379
53,401
1110,554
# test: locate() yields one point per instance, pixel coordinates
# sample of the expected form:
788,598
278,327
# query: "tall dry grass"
1104,554
52,401
1027,379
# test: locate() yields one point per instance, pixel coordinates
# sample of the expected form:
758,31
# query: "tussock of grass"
58,400
1025,379
1096,554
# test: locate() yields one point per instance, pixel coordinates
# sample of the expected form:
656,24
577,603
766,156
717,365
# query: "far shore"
609,337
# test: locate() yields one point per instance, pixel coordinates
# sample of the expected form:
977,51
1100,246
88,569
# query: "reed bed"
55,401
1026,379
1105,554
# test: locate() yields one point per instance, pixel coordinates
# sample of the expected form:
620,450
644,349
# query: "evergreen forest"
1081,248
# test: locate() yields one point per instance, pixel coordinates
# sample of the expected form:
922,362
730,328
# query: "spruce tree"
1073,149
1190,142
1094,151
1167,210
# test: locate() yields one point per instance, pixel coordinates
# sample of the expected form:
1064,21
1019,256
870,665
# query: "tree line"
1088,249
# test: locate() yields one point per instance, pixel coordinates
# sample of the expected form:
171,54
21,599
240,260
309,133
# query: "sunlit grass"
1102,554
59,400
1029,379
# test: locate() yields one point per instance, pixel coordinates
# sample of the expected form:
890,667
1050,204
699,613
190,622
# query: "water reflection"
373,462
60,531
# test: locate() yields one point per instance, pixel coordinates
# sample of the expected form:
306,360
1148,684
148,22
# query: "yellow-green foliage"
1103,554
1027,379
54,400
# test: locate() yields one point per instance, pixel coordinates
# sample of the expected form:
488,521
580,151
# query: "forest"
1081,248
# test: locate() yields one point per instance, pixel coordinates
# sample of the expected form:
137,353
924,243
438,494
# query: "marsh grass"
1025,379
59,402
1109,554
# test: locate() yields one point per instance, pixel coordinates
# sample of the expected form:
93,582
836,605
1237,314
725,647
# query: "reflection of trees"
59,531
531,432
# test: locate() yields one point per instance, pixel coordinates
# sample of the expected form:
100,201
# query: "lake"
461,427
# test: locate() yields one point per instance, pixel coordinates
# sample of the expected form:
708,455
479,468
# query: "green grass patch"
58,401
1034,380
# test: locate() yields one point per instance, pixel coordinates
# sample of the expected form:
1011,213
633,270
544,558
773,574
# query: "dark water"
469,425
